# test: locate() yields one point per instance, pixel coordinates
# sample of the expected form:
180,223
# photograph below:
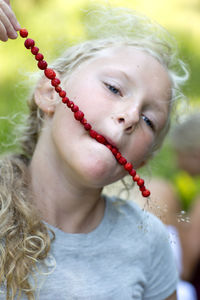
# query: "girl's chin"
100,172
94,163
100,164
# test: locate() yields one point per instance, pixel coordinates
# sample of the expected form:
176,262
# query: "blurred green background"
57,24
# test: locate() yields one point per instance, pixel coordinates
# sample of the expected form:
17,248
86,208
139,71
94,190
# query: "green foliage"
11,110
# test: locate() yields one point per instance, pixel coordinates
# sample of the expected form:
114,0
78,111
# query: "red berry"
122,160
136,177
114,151
70,104
128,167
34,50
132,173
87,126
55,82
109,147
29,43
39,56
100,139
83,121
42,64
23,32
62,94
58,89
146,193
79,115
93,134
75,108
140,182
142,188
118,155
65,100
49,73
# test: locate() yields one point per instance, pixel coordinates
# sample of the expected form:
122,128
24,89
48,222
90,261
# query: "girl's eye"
148,122
113,89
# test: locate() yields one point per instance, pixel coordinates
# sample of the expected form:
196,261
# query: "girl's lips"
110,141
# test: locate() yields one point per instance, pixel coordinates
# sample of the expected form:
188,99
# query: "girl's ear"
45,96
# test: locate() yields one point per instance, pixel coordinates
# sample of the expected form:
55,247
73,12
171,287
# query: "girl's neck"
62,201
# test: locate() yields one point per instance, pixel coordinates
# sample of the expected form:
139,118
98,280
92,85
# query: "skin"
120,102
172,297
8,22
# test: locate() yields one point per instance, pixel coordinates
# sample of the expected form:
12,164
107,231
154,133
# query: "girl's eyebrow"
118,72
126,76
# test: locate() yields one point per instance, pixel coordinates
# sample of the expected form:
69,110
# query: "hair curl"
24,238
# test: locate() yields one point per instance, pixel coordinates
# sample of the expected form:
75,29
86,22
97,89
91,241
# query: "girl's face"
124,94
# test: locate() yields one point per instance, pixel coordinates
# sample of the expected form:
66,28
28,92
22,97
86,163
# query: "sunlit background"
57,24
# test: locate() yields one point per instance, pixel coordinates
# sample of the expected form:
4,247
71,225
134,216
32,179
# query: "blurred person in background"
166,205
186,143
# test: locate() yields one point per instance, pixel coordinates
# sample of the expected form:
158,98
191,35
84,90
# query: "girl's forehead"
132,61
122,51
126,56
113,53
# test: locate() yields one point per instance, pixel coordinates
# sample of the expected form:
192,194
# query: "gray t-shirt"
128,256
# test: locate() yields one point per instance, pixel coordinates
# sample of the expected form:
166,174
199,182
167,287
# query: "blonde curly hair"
25,239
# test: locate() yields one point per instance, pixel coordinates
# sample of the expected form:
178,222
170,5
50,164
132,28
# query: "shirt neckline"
93,238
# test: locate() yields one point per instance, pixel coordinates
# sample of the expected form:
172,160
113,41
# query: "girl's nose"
128,120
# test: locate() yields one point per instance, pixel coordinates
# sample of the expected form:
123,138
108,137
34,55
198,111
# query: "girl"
61,238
